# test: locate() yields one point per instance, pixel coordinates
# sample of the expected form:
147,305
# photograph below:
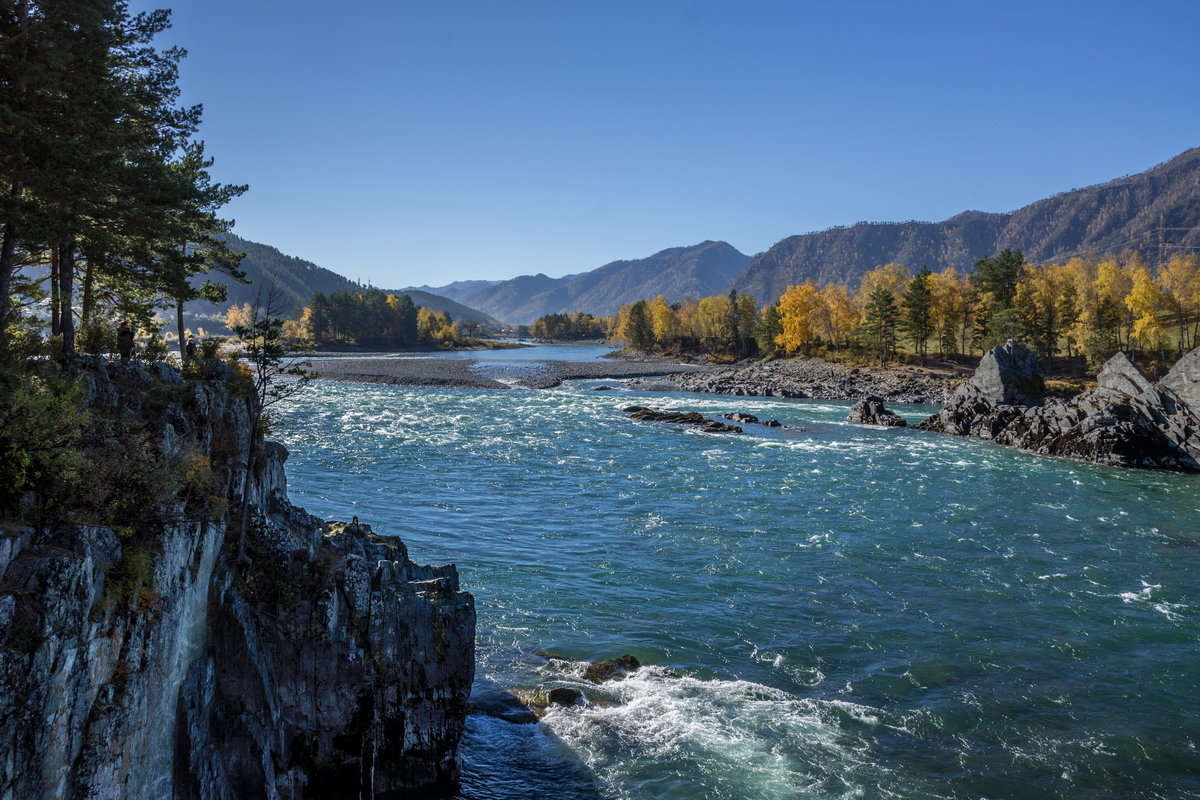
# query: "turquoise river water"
833,612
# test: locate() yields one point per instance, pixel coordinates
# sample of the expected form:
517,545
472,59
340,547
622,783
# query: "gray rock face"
1183,381
871,411
156,664
1126,421
1007,375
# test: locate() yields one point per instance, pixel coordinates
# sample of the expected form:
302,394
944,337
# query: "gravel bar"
477,374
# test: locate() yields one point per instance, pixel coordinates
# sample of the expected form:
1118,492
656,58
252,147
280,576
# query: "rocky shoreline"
1125,421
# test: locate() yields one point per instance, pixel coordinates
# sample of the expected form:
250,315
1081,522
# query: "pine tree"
917,319
880,317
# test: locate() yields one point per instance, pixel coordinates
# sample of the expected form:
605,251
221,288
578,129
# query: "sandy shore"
476,374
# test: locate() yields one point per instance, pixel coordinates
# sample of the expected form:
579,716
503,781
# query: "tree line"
367,318
571,327
1089,307
107,206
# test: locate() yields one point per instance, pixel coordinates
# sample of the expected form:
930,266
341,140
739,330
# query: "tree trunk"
66,281
55,327
8,248
180,329
89,292
8,252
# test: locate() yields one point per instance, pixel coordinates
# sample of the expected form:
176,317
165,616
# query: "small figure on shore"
189,347
124,341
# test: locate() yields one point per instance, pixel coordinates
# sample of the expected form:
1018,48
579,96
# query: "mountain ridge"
1123,213
296,280
700,269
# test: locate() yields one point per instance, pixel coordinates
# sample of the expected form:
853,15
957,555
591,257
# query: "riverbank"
816,379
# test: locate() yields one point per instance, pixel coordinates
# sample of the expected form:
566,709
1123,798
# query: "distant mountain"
298,280
1141,212
456,290
700,270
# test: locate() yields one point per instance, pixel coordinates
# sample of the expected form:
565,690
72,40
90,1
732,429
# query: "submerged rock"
871,411
1126,421
565,696
503,705
612,669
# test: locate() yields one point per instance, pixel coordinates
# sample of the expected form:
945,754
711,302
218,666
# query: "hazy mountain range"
296,281
700,270
1156,211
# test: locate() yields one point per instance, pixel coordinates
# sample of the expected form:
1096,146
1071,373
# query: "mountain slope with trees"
297,280
698,270
1152,210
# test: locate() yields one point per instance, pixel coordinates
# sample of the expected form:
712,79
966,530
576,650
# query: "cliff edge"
169,655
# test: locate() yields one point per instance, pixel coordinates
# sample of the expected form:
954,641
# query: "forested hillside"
297,280
1153,210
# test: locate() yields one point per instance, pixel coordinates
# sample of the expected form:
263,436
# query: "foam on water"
851,612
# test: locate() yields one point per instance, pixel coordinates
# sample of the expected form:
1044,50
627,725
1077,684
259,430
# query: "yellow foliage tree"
799,309
1146,303
892,276
238,316
1179,280
841,315
664,322
951,309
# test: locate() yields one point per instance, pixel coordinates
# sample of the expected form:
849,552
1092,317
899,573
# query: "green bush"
42,421
155,349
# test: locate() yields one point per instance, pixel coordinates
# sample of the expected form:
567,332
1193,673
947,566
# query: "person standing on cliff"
124,341
189,347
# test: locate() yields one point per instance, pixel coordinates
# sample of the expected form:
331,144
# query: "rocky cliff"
1126,421
171,658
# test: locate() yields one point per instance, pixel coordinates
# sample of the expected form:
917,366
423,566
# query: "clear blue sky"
405,143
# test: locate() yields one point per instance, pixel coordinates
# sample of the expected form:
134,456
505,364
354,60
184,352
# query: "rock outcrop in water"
1126,421
680,418
150,661
871,411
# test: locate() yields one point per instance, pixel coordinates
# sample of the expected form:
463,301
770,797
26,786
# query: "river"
827,610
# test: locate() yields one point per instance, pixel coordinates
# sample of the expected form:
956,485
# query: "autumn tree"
1146,303
1179,280
798,310
840,315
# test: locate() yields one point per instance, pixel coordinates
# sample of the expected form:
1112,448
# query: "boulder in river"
871,411
680,418
565,696
612,669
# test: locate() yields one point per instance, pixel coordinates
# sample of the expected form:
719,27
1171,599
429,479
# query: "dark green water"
851,612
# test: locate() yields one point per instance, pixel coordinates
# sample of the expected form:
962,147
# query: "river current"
825,610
